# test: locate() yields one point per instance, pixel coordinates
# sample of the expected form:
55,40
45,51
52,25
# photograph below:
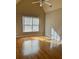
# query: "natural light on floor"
30,47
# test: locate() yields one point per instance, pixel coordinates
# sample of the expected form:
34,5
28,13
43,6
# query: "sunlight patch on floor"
30,47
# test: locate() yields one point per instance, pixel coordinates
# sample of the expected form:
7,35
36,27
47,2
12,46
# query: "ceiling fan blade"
35,2
48,3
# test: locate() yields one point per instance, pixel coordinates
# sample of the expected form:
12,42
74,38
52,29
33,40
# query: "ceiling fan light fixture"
42,2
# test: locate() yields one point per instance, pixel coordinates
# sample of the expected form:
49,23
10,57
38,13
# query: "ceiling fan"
42,2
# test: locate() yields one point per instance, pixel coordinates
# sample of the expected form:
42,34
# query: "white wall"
54,19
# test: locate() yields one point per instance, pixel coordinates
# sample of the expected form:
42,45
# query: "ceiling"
17,1
25,7
56,4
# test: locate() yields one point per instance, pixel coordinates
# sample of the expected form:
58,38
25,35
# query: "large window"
30,24
54,35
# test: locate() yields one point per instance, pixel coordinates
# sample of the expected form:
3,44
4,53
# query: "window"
30,24
54,35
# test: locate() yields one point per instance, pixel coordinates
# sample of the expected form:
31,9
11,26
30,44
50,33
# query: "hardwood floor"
27,48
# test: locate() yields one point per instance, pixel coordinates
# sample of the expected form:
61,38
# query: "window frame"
23,25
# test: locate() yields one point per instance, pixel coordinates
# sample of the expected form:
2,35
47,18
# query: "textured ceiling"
28,3
56,4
